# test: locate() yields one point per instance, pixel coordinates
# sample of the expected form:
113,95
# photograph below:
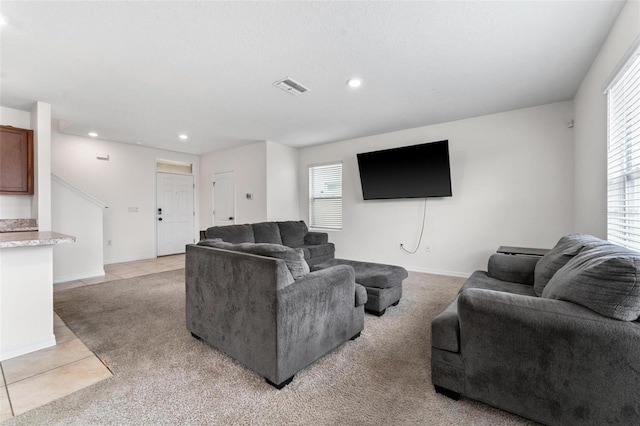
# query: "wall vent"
291,86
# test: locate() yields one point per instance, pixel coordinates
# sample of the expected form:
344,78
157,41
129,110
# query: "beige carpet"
164,376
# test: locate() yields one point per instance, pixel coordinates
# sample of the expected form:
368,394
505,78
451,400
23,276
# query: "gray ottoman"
382,282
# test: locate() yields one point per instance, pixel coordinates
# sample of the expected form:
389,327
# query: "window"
171,166
623,169
325,196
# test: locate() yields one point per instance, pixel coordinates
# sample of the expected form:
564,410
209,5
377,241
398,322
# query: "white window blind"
325,196
623,169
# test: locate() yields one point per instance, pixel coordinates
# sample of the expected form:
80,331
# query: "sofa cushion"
266,232
315,238
369,274
232,233
211,242
318,250
292,257
602,278
293,232
481,279
567,247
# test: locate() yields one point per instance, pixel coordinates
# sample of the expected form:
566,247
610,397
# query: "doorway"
174,212
223,197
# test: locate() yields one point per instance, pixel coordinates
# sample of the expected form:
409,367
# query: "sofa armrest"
316,314
559,358
515,269
329,286
315,238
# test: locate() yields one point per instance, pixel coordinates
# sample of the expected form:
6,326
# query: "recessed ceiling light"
93,134
2,21
354,82
183,137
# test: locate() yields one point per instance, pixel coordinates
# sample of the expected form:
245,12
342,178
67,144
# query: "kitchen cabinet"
16,161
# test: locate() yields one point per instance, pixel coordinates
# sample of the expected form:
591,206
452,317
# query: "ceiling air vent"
290,86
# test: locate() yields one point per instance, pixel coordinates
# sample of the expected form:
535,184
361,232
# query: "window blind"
325,196
623,167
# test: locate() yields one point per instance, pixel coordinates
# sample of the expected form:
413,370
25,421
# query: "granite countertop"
24,239
18,225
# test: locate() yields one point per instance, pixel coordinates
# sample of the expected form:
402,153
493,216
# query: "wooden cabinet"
16,160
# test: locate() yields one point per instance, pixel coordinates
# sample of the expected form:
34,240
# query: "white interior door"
175,212
224,205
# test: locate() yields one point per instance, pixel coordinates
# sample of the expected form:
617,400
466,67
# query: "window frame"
313,214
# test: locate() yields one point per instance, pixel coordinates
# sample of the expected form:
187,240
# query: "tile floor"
118,271
37,378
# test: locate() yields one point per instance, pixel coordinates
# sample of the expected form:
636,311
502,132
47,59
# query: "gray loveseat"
315,245
554,339
259,304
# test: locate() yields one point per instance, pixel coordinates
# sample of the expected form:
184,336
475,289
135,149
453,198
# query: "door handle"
230,218
159,219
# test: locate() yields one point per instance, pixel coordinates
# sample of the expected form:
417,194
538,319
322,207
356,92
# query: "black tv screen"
416,171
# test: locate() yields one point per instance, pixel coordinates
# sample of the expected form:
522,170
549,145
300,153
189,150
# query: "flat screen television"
416,171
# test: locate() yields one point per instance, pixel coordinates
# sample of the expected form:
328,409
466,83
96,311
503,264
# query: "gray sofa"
259,304
554,339
315,245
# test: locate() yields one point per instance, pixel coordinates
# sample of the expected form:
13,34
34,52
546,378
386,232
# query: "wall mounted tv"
416,171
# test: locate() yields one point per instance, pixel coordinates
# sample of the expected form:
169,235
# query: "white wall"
41,200
75,213
15,206
591,124
128,179
249,164
512,179
282,182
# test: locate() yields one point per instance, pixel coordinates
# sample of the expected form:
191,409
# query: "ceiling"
145,72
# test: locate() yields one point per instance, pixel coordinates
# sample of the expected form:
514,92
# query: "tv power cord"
424,216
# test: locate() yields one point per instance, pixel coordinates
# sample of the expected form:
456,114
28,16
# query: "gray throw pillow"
603,279
213,242
294,258
567,247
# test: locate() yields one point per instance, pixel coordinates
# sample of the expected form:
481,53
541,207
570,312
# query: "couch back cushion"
293,233
235,234
603,278
266,232
294,258
565,250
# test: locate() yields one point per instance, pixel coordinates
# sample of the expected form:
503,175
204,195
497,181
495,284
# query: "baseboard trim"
25,348
438,272
67,278
129,259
